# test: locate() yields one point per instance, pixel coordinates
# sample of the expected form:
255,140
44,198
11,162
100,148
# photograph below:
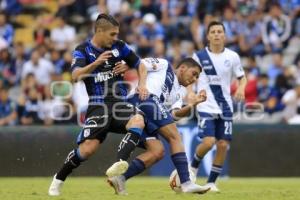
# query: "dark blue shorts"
155,113
215,125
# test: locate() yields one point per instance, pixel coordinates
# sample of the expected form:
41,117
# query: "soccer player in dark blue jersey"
97,63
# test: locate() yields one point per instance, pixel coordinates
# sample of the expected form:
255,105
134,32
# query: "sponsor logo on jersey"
115,52
214,80
205,62
207,67
107,64
92,54
103,76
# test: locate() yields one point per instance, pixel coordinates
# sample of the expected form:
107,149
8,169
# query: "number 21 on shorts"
228,127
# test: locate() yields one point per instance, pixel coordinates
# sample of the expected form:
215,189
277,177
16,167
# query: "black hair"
104,20
214,23
189,62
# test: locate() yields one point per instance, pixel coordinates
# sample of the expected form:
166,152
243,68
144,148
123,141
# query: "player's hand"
120,68
143,92
102,58
194,99
239,94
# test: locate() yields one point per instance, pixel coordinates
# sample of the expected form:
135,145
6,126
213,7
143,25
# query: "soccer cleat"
118,183
190,187
55,187
117,169
213,187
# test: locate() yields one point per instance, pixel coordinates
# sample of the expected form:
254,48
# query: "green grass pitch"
148,188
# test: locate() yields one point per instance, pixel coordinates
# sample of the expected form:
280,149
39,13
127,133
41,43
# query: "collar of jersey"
97,49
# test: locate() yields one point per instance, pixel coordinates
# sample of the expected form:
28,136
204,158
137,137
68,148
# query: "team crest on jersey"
86,132
115,52
227,63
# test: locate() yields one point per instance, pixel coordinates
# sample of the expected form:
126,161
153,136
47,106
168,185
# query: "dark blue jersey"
102,84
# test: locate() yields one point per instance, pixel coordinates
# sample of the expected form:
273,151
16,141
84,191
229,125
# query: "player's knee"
137,121
209,142
222,144
159,154
88,148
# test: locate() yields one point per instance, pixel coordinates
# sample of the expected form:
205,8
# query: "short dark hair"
214,23
189,62
104,21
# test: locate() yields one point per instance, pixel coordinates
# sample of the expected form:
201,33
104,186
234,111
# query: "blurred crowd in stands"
35,79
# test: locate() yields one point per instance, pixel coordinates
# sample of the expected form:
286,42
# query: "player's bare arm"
142,89
193,100
240,92
79,73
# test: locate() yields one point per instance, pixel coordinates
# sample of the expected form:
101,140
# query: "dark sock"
181,165
72,161
196,161
136,167
128,143
214,173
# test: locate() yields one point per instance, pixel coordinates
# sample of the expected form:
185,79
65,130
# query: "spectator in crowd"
40,67
251,64
275,68
291,100
148,6
250,38
62,36
276,29
7,69
73,10
41,33
8,114
31,109
6,29
19,59
151,33
232,29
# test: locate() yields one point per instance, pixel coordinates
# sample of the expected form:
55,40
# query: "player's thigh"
206,125
125,116
224,129
170,132
96,126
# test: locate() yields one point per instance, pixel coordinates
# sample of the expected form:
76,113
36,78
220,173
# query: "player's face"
216,35
108,37
189,76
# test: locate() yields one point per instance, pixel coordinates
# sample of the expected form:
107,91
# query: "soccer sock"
128,143
181,165
136,167
214,173
73,160
196,161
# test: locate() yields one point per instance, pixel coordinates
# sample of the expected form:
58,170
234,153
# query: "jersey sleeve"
155,64
128,55
79,59
237,67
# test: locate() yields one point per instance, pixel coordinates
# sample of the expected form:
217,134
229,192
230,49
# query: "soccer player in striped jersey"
219,65
165,103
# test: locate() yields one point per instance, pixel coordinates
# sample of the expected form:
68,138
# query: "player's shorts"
155,113
215,125
103,118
